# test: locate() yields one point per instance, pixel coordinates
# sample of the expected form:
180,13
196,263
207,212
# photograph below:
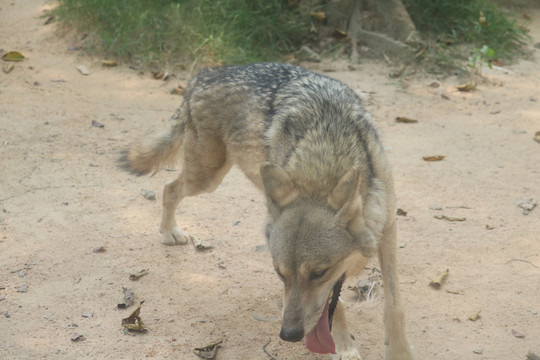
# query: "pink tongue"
319,339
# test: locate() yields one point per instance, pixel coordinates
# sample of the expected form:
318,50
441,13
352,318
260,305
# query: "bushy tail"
155,152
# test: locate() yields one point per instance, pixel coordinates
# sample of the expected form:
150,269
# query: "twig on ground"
266,352
525,261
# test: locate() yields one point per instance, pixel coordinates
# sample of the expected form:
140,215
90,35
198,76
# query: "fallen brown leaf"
13,56
158,75
405,120
339,34
77,337
437,281
319,15
8,68
100,249
208,351
179,90
450,218
134,322
139,274
537,136
109,63
434,158
470,86
475,316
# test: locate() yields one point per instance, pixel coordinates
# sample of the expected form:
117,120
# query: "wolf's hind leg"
204,167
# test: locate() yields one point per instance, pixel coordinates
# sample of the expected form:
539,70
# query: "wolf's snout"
292,334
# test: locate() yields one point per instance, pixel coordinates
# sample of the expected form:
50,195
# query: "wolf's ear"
345,197
278,187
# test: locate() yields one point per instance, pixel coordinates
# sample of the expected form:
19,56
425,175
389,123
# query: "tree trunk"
399,25
383,25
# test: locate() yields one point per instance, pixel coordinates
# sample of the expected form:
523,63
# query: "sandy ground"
61,197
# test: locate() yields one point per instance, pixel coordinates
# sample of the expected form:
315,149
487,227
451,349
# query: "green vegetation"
185,31
202,32
471,22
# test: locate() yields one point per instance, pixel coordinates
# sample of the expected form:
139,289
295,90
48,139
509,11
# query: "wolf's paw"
350,354
401,353
175,236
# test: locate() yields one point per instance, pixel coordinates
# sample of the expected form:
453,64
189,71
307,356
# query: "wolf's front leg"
345,348
396,343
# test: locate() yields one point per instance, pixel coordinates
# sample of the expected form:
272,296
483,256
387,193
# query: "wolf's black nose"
292,334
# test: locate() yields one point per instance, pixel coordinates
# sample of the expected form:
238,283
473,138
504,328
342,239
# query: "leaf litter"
138,275
450,218
209,351
438,280
13,56
134,322
406,120
475,316
127,299
432,158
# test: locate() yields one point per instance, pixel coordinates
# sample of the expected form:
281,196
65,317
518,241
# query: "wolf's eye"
317,274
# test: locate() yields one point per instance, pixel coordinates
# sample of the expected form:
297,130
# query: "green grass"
472,22
186,31
205,32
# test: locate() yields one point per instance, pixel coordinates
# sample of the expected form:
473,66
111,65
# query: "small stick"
266,352
525,261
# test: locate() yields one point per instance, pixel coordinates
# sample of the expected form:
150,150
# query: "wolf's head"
314,242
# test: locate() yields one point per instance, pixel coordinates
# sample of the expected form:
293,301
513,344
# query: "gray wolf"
306,141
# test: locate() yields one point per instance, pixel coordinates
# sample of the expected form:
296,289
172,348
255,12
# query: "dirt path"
61,196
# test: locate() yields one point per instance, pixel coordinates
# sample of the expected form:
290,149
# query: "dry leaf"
319,15
157,75
439,279
134,322
406,120
434,158
517,334
208,351
537,136
450,218
139,274
340,34
401,212
179,90
475,316
13,56
470,86
109,63
77,337
127,300
100,249
8,68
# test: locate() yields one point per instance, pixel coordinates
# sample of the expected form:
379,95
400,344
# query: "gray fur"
308,143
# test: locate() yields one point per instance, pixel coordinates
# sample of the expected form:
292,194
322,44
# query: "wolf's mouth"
319,339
